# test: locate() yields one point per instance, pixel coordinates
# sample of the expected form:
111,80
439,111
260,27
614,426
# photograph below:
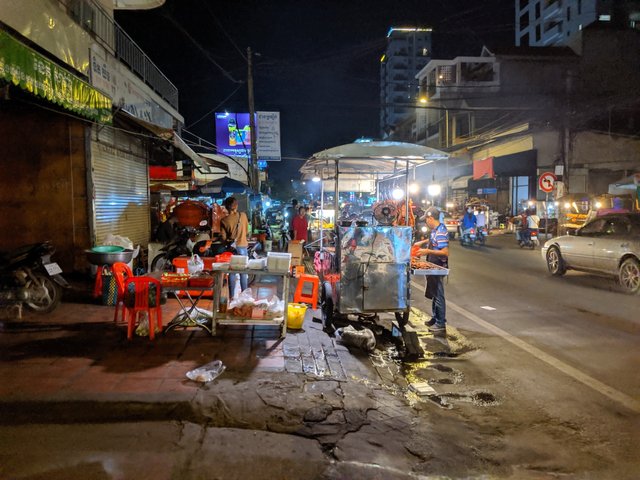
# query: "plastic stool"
300,297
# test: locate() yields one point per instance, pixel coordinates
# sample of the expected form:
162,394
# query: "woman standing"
233,229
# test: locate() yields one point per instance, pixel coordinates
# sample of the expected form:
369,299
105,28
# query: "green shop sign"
36,74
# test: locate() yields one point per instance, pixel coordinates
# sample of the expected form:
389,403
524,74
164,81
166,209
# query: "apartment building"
408,51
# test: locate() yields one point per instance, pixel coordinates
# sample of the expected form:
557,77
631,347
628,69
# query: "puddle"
479,399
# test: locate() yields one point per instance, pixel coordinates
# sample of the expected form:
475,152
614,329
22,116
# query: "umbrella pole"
406,194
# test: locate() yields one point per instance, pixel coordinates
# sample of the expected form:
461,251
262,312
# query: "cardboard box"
295,249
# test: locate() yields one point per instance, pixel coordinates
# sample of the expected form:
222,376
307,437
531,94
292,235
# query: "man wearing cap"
437,252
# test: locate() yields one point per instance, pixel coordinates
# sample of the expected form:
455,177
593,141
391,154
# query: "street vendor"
437,252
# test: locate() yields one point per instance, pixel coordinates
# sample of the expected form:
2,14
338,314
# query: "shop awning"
33,72
204,164
460,183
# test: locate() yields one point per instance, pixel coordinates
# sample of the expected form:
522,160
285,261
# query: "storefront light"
567,205
315,179
397,194
434,189
414,188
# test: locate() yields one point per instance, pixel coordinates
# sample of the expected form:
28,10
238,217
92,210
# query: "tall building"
408,51
543,23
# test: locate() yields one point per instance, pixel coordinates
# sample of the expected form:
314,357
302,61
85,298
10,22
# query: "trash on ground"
206,373
422,388
364,339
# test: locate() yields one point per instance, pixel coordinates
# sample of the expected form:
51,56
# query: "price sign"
546,181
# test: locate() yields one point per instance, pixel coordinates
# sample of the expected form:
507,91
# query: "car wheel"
555,264
629,275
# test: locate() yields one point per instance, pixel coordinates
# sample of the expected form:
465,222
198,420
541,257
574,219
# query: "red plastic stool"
300,296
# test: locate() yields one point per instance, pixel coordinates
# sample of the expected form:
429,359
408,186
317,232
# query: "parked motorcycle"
29,277
529,238
468,236
181,245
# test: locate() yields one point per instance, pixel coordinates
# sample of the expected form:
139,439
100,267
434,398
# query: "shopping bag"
195,264
109,288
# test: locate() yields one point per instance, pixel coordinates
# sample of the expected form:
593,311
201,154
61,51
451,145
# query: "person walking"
437,252
233,230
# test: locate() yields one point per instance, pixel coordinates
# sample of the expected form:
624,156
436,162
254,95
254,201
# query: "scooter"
481,235
529,238
29,277
468,236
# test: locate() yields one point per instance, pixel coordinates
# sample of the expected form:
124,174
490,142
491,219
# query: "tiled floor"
79,350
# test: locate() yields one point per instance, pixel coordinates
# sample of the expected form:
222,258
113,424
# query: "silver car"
607,245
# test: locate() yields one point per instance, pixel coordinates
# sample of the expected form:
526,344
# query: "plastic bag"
245,298
364,339
195,264
275,307
206,373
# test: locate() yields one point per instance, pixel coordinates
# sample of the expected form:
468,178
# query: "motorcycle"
181,245
468,236
481,235
529,238
29,277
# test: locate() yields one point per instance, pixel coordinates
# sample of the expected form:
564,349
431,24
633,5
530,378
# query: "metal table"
226,319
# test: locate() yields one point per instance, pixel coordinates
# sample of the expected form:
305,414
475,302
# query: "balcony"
92,18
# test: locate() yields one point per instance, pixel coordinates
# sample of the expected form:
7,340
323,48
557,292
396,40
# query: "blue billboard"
233,134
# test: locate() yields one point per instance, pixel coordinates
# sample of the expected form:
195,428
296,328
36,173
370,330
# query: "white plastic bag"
245,298
364,339
206,373
195,264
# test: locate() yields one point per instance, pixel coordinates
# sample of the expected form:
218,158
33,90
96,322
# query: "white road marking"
622,398
487,307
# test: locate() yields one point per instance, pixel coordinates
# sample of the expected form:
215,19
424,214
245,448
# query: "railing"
98,23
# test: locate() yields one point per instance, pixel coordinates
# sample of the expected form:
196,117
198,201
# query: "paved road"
560,354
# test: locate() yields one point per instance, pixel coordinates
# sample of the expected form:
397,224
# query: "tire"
532,245
44,294
162,263
629,275
555,264
327,308
452,235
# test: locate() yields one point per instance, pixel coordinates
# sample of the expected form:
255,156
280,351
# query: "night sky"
318,63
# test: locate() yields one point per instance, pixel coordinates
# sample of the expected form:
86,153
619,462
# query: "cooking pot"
109,258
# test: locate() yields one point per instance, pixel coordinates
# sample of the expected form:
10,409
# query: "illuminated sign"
233,135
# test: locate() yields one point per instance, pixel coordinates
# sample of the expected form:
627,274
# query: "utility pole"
254,178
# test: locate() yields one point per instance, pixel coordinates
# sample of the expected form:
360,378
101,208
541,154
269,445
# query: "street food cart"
371,268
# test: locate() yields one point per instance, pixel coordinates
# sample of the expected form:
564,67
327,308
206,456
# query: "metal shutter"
120,181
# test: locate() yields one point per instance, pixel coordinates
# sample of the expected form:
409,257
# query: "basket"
295,315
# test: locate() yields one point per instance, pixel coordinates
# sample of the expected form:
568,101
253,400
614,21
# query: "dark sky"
318,63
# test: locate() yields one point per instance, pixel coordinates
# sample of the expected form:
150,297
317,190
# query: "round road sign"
546,181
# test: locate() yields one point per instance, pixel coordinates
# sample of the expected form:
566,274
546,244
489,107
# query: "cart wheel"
402,318
327,308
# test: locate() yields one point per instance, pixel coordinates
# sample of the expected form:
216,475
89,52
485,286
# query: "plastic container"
295,315
107,249
278,262
238,262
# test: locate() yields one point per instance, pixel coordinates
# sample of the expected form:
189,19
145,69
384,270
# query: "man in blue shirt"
437,252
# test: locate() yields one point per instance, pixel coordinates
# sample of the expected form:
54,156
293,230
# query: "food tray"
202,281
428,268
175,280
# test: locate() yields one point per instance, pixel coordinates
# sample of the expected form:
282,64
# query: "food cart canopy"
370,158
224,185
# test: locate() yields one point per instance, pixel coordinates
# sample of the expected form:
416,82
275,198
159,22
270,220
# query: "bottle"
233,132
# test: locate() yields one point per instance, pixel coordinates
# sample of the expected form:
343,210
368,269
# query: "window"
568,14
593,229
524,21
519,193
538,33
537,10
579,7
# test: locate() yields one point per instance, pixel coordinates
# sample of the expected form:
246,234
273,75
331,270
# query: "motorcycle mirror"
203,223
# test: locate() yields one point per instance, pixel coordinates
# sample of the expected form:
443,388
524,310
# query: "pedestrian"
300,225
290,214
437,252
233,230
